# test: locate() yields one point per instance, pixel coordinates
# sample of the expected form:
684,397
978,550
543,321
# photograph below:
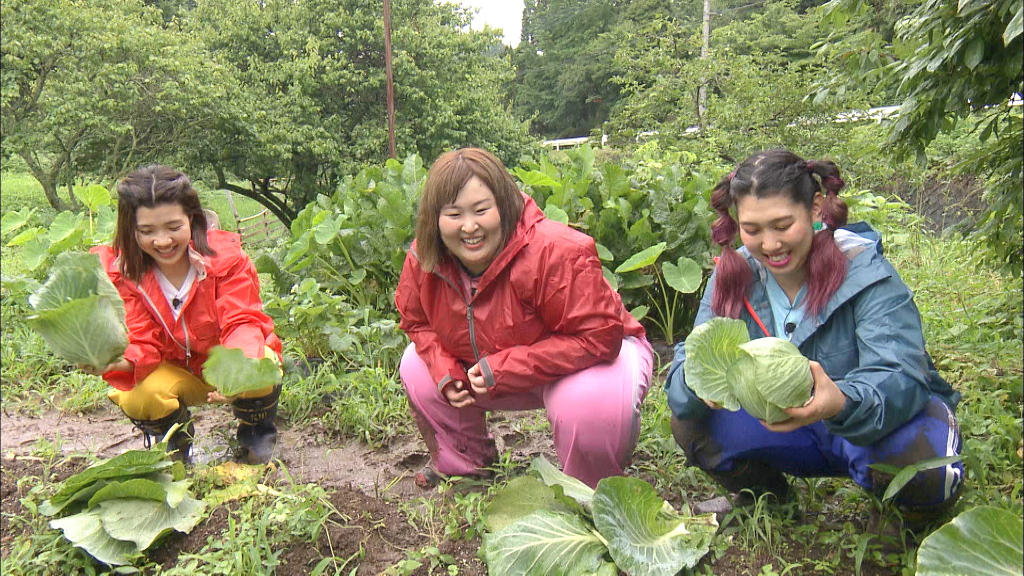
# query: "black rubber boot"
179,445
257,432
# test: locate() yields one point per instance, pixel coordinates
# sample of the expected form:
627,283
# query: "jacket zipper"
469,314
187,347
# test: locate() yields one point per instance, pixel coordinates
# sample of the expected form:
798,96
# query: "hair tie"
730,176
810,165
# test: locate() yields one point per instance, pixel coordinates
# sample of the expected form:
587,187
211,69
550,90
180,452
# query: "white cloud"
506,15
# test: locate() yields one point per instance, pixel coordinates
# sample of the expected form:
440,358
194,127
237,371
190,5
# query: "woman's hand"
216,397
712,405
476,380
119,365
457,395
827,401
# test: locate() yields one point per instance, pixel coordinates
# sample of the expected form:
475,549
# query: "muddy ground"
364,485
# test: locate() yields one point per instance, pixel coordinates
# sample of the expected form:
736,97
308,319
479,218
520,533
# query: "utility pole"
702,92
390,79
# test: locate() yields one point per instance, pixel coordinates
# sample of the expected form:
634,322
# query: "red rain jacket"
223,307
542,310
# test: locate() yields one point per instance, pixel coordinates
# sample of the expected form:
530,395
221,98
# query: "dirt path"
309,454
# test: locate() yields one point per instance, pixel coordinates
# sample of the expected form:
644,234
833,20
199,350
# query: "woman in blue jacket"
799,275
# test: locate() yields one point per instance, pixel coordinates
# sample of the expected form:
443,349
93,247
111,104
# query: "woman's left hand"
827,401
476,380
216,397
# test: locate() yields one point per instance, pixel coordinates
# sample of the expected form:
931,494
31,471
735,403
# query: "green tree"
96,88
950,61
310,107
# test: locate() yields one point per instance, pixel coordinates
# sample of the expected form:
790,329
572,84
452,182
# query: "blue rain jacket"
867,338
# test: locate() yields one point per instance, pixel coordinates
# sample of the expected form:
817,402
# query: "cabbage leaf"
79,313
544,543
231,372
710,350
770,375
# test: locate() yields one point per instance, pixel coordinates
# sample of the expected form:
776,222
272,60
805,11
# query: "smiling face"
470,226
163,232
778,232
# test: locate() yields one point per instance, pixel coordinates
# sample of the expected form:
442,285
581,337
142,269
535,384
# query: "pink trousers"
594,415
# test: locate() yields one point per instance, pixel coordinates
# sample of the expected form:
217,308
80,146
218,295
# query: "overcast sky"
504,14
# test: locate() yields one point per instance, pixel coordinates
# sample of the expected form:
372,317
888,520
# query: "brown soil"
366,486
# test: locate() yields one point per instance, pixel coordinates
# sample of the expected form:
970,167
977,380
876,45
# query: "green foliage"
655,209
711,349
124,505
231,372
984,541
534,531
79,312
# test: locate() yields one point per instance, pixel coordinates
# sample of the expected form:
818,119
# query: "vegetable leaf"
519,498
544,543
130,464
571,487
79,313
231,372
710,349
982,541
644,536
85,530
143,521
770,375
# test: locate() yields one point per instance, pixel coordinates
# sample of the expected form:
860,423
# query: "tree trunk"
47,180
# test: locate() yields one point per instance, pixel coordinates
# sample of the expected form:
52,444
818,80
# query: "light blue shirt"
782,310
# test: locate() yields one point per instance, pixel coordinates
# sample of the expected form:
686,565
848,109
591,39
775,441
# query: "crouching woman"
507,310
877,397
186,288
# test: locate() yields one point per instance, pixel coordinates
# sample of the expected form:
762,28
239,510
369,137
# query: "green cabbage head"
769,375
763,376
79,313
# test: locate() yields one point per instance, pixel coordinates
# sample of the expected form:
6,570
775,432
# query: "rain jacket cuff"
485,369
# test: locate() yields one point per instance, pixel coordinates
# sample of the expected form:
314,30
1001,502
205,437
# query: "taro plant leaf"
231,372
610,277
93,196
604,253
710,349
79,313
518,498
685,276
143,521
544,543
555,213
12,220
36,252
25,236
982,541
642,259
85,530
644,536
903,475
640,312
571,487
770,374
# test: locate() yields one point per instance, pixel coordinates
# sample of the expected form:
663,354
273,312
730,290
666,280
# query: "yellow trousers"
159,394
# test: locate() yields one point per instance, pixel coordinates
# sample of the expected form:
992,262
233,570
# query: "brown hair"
779,172
449,174
149,187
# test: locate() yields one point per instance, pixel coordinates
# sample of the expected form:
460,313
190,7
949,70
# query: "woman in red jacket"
507,310
186,288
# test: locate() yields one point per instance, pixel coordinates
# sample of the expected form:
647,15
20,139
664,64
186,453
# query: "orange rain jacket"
223,307
541,310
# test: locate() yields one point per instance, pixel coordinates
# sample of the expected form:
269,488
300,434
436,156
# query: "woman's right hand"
457,394
713,405
119,365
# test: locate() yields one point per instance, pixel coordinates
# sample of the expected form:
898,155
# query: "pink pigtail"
732,275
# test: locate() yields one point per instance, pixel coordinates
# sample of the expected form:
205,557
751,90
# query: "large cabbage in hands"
79,313
764,376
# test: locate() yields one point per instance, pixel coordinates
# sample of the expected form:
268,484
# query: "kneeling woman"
507,310
186,289
877,397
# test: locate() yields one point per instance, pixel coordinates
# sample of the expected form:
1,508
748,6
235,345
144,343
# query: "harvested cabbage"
79,313
769,375
231,372
762,376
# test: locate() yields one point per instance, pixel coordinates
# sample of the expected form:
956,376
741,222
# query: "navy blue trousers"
813,451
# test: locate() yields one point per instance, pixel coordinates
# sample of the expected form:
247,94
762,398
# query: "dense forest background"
278,100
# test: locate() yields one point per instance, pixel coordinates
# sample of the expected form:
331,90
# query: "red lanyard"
756,318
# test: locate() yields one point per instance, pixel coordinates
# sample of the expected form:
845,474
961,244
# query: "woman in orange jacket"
186,288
